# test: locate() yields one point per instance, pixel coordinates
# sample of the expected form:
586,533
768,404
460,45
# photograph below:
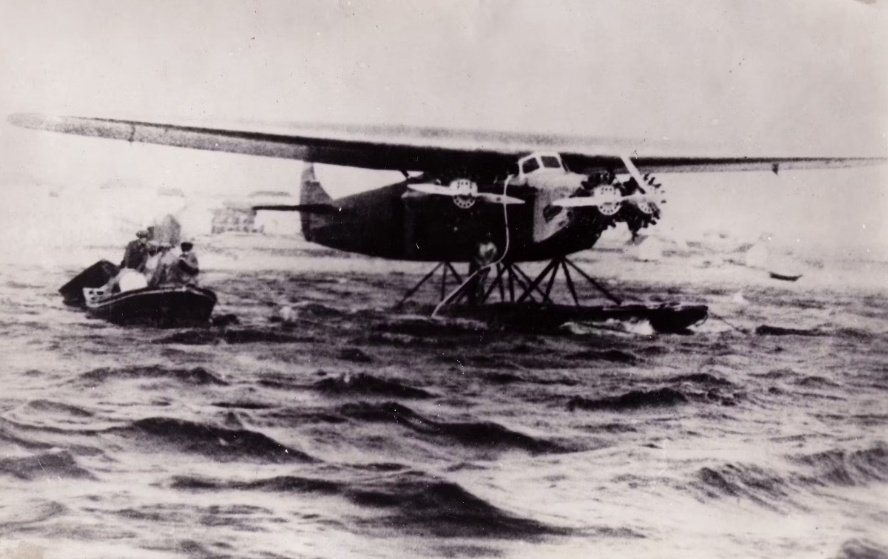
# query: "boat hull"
158,306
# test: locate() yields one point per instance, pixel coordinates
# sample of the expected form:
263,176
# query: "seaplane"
535,197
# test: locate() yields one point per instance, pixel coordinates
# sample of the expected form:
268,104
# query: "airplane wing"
425,149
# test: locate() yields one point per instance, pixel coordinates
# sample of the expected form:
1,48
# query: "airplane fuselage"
396,222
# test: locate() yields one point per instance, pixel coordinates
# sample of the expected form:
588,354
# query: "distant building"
239,219
272,222
239,215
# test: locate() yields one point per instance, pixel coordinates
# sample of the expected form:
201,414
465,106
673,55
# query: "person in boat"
136,253
153,259
134,259
186,269
166,260
485,254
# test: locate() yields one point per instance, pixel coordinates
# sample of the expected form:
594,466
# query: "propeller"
464,193
644,206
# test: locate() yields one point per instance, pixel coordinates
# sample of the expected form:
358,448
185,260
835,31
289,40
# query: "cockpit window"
530,166
551,162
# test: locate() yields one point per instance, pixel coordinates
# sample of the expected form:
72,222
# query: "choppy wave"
219,443
431,506
52,407
632,400
410,501
861,548
196,376
776,490
706,379
233,336
478,434
366,384
242,405
612,355
9,435
527,378
27,517
55,465
815,381
348,429
355,355
844,467
744,481
279,484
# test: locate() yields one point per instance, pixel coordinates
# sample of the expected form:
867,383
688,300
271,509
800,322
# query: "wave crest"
477,434
196,376
846,468
218,442
632,400
44,465
411,502
366,384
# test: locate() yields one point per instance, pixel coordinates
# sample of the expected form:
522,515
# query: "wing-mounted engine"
464,193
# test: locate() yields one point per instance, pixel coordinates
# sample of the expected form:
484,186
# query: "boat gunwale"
147,291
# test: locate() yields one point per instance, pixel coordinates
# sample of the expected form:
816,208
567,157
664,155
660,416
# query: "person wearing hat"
136,253
186,268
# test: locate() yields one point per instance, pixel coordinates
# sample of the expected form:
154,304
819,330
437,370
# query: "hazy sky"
691,66
804,76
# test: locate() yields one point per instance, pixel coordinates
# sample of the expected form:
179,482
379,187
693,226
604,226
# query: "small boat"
173,305
167,305
784,277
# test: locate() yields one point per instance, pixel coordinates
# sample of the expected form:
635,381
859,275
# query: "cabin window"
530,166
551,162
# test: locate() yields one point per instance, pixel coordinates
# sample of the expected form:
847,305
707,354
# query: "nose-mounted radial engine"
635,201
645,209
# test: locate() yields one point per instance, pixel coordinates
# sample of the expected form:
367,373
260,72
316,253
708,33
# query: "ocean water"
350,429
